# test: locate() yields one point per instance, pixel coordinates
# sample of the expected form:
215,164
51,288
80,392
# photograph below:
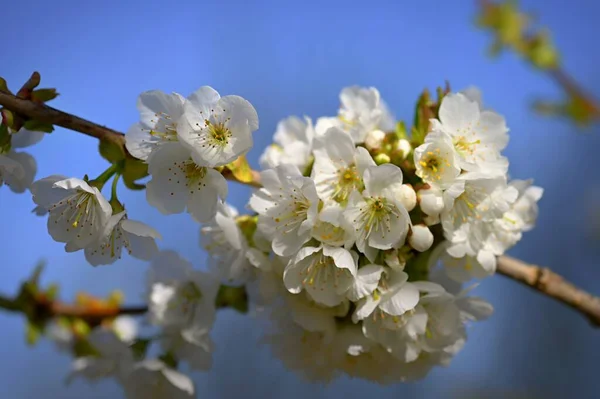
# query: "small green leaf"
169,359
32,333
134,169
241,169
233,297
38,126
52,291
5,139
83,348
4,86
111,151
140,347
417,267
43,95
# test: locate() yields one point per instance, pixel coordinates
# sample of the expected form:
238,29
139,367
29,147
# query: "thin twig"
43,113
553,285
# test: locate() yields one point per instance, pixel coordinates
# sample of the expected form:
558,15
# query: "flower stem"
114,200
99,181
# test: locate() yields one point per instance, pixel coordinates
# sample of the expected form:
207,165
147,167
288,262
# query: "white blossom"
362,111
159,114
179,296
287,206
137,238
339,165
78,211
126,328
178,183
331,228
17,170
25,138
292,144
477,135
326,273
379,219
152,379
393,296
193,346
113,357
216,129
436,161
226,246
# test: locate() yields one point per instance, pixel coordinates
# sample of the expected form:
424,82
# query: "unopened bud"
420,238
403,147
380,159
374,140
431,220
408,197
431,200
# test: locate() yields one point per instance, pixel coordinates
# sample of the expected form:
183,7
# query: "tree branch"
553,285
43,113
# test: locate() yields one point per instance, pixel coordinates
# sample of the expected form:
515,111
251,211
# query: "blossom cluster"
341,254
345,243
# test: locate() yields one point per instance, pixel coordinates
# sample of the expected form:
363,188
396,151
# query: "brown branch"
43,113
553,285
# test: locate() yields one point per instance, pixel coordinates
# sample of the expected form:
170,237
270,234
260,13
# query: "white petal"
204,96
379,178
342,258
19,183
25,138
366,282
405,299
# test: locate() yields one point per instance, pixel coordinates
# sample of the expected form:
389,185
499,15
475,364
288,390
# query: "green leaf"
134,169
417,267
140,347
32,333
52,291
233,297
4,86
38,126
241,169
83,348
43,95
5,139
169,359
111,151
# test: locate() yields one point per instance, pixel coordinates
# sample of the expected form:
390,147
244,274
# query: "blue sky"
293,58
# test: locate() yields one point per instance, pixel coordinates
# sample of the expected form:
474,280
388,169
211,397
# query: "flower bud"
403,147
420,238
431,201
374,140
380,159
408,197
431,220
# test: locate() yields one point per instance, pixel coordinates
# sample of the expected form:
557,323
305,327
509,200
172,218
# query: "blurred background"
293,58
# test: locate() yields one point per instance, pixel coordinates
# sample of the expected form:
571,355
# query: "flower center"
322,271
348,180
465,147
295,215
376,215
187,296
433,164
164,127
219,134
